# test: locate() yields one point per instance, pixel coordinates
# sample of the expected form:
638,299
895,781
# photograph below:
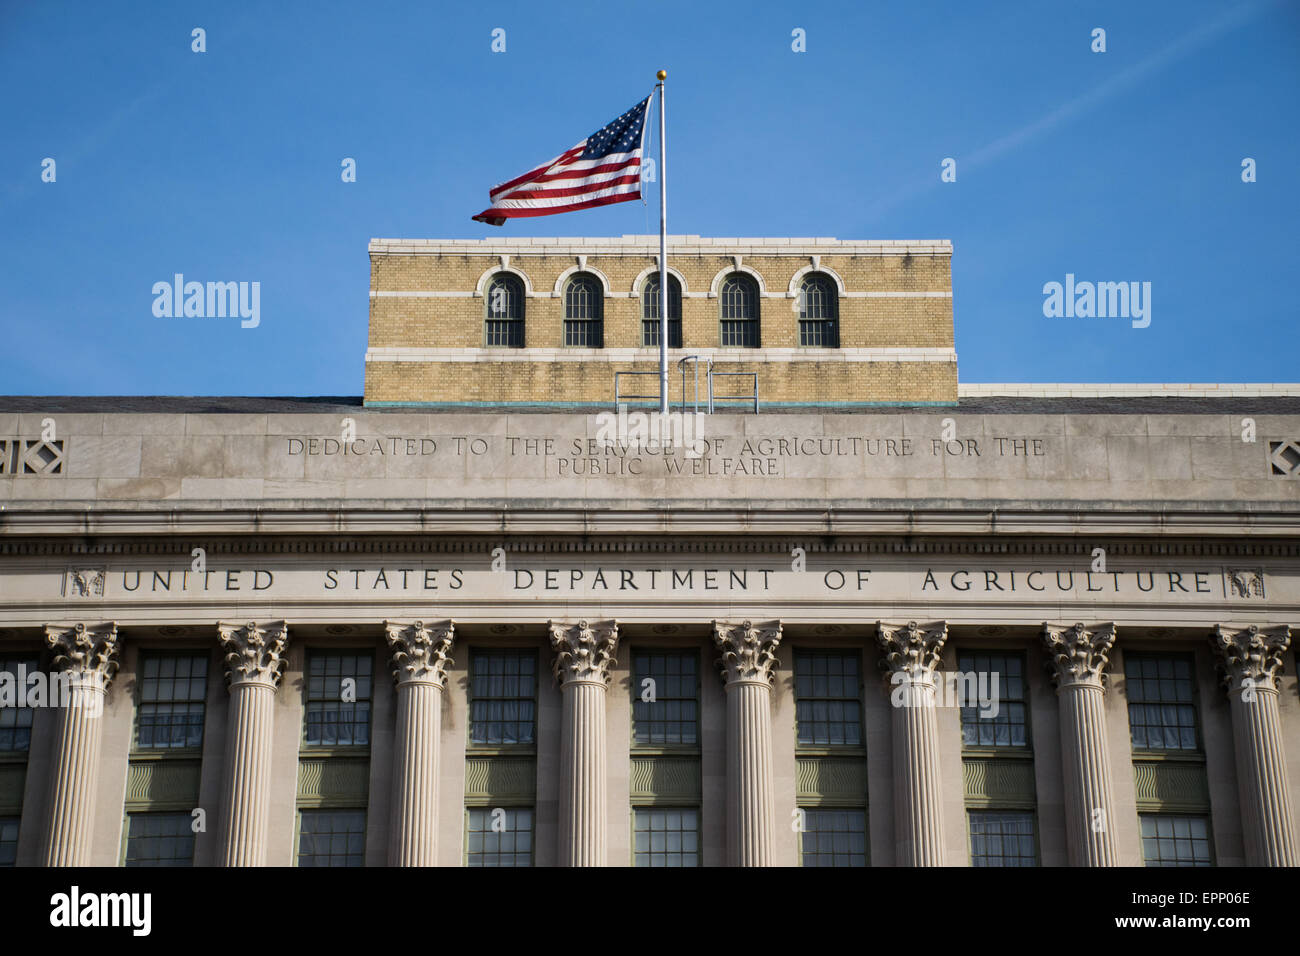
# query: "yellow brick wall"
457,322
546,382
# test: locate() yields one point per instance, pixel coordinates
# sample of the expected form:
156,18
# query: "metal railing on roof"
711,398
751,396
620,398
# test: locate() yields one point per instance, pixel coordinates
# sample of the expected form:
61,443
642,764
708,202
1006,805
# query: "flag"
604,168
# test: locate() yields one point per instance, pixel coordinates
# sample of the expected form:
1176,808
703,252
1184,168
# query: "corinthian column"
1251,659
911,658
85,659
254,663
583,653
420,668
1076,662
748,655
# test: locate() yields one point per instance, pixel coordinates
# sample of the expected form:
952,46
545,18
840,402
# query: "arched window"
584,312
504,325
650,312
819,312
740,311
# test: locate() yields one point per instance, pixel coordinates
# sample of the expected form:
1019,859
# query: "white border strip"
649,246
398,354
895,295
632,295
440,295
1126,390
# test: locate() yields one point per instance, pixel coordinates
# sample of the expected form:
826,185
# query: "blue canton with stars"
621,136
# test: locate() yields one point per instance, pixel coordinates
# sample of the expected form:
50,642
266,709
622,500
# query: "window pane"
818,325
650,312
16,721
1002,838
828,705
172,692
989,720
499,836
505,312
1174,840
1161,702
8,840
666,837
583,312
339,687
332,838
740,311
502,690
834,838
159,839
670,717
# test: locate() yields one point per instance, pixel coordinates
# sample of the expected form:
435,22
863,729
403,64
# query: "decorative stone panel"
1000,781
1245,582
163,784
26,456
831,781
664,780
1169,785
333,781
84,582
1284,459
501,780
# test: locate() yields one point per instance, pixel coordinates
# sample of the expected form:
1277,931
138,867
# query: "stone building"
480,619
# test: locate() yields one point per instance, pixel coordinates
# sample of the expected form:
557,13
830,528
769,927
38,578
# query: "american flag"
604,168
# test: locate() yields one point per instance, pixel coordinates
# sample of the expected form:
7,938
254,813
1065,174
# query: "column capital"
88,653
583,651
748,651
419,651
1078,655
912,649
1250,656
254,653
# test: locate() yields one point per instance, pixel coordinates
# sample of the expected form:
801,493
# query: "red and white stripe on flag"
604,168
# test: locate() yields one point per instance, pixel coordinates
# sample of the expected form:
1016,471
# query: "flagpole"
663,257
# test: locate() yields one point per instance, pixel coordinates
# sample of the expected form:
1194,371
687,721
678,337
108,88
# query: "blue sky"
1123,165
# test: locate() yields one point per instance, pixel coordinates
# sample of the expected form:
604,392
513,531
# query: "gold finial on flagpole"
663,75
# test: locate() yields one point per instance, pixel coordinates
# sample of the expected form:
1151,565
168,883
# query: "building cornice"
623,356
523,517
648,246
1128,390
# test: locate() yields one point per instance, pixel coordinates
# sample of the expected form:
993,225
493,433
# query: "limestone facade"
424,543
